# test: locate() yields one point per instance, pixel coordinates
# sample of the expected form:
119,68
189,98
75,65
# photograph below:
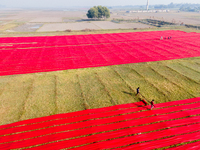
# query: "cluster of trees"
190,7
98,12
182,7
171,5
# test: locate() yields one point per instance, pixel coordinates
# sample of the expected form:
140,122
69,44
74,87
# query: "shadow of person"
128,93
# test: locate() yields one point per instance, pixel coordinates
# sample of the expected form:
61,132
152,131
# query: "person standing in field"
138,90
152,104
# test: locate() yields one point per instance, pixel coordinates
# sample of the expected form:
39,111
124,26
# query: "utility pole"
147,5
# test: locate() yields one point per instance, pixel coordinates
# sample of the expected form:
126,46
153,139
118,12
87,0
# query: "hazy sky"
68,3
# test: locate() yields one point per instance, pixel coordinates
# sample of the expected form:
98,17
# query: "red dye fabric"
88,124
192,146
69,118
168,141
144,137
92,112
115,134
123,120
20,55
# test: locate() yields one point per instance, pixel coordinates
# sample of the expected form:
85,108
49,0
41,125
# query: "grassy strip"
43,94
13,98
185,71
69,98
116,86
41,101
173,76
135,79
11,34
93,90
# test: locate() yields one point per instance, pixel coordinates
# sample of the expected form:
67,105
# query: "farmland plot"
111,25
67,26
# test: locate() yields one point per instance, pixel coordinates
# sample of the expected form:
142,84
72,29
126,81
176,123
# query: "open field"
16,20
111,25
29,27
97,25
178,17
85,32
26,96
46,19
68,26
43,94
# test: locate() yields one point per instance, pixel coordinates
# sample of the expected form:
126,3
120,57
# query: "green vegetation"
102,31
98,12
189,8
42,94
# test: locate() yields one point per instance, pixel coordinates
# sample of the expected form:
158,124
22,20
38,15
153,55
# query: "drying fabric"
20,55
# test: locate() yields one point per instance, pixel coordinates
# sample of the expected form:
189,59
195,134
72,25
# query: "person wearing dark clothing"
152,104
138,90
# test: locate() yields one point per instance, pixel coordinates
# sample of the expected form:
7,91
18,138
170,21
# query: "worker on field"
152,104
137,90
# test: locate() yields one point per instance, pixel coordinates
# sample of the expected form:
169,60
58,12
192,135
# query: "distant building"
149,11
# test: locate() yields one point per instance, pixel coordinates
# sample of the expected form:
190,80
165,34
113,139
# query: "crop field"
67,26
178,17
84,88
111,25
90,25
29,27
46,19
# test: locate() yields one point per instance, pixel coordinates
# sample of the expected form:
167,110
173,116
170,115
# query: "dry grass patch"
42,94
185,71
134,80
93,90
14,92
117,87
181,81
8,26
68,94
41,101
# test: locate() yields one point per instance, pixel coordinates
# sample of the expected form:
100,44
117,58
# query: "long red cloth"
105,127
19,55
191,146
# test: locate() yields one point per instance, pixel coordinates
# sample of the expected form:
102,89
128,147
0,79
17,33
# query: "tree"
98,12
106,13
171,5
92,13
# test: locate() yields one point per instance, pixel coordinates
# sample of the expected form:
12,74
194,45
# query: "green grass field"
42,94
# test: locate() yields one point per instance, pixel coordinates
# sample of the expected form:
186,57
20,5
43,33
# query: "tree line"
182,7
98,12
